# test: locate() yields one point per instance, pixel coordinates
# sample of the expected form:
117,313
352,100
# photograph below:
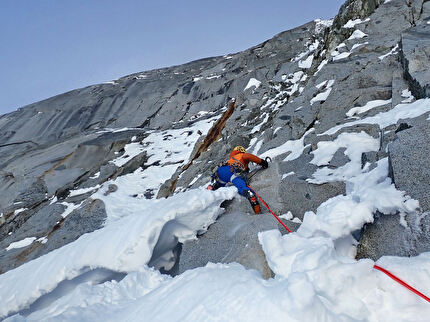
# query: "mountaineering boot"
213,186
253,201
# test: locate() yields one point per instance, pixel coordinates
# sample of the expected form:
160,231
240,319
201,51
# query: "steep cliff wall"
318,83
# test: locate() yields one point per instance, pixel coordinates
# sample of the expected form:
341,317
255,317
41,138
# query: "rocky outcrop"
298,87
233,238
59,231
410,164
350,10
152,99
415,54
212,136
37,201
389,235
404,235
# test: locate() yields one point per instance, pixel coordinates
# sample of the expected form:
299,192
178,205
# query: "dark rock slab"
300,196
415,55
233,238
410,162
339,159
36,193
386,236
48,222
87,218
410,171
38,224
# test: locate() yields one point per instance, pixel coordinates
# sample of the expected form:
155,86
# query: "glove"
264,164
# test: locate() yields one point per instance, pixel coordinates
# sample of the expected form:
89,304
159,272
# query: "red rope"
383,270
398,280
265,204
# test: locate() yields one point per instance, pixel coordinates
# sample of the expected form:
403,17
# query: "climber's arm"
248,157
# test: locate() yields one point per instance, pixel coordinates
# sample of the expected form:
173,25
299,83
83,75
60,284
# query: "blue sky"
52,46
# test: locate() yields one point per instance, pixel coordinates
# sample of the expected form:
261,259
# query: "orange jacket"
241,160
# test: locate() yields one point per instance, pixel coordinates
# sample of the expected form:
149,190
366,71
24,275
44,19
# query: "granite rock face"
410,172
59,231
409,155
233,238
415,55
55,154
387,236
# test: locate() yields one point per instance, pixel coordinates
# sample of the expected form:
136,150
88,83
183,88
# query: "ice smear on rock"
321,97
307,63
341,56
391,52
352,23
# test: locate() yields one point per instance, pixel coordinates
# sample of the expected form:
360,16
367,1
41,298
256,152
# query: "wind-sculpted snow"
216,292
330,111
355,143
401,111
314,279
349,288
295,147
367,192
124,246
345,289
166,150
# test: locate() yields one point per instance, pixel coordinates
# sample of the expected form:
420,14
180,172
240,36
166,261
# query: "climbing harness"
237,166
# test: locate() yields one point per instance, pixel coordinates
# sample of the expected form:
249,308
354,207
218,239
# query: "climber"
234,171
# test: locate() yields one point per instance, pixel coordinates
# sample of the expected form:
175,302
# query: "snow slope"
123,246
316,276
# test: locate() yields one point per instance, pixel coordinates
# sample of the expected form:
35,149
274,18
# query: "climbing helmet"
240,149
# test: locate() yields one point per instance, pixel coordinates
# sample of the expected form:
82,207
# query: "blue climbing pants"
225,175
